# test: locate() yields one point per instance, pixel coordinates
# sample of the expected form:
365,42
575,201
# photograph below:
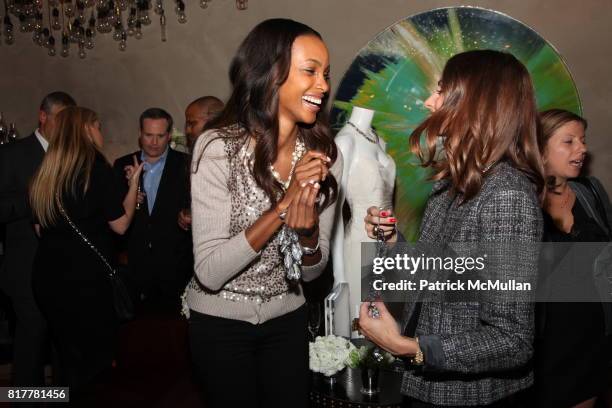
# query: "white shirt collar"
41,139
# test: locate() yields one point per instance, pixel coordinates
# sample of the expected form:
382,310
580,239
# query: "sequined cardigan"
231,279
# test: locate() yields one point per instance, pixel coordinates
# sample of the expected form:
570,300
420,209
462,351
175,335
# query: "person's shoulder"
507,177
20,145
213,142
507,184
178,154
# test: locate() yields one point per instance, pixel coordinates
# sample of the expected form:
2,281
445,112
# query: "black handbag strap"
111,271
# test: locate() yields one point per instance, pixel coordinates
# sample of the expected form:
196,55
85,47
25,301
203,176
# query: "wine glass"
314,319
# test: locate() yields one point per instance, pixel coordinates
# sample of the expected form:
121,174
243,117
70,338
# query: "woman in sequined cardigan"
264,172
472,351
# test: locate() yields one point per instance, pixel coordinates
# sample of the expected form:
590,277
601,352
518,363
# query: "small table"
346,392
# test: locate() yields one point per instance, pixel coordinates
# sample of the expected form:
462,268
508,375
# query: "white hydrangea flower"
329,354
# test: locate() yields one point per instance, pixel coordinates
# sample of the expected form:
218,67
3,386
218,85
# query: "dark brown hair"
259,68
488,115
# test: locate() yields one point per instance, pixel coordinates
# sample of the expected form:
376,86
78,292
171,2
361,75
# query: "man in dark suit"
18,163
159,252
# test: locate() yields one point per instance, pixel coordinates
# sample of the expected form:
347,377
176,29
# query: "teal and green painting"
396,71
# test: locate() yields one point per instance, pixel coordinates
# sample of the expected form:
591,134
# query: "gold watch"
418,357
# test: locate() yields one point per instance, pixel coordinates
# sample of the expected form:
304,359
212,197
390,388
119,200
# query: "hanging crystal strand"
43,41
9,37
55,24
138,34
118,31
143,12
242,4
131,22
65,46
82,53
38,21
22,23
92,24
162,24
12,134
89,42
38,36
3,130
68,8
159,7
80,13
49,39
123,41
180,11
51,46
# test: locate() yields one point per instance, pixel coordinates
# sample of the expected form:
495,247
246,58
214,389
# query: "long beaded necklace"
298,152
365,135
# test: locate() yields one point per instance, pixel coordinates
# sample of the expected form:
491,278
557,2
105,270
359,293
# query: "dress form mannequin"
368,179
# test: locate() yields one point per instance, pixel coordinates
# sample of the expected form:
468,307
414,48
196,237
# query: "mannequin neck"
362,118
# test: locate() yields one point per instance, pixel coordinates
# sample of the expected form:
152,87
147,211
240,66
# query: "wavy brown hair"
259,68
70,156
488,115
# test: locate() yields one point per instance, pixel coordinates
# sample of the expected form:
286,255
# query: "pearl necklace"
362,133
298,152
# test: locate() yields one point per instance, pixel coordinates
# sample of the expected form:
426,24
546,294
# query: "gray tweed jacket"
478,352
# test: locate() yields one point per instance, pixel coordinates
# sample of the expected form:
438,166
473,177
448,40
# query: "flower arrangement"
329,354
369,357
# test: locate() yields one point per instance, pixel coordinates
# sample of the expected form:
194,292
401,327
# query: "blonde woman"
70,280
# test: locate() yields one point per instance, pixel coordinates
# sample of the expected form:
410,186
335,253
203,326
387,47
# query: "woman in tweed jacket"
477,352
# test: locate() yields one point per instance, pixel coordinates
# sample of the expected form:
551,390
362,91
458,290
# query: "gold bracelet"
418,357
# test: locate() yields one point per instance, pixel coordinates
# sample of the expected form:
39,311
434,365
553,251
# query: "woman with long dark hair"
70,281
572,366
468,352
263,189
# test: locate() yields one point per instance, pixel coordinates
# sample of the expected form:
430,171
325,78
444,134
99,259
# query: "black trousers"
240,364
31,342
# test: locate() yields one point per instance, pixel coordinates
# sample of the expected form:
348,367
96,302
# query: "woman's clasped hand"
299,202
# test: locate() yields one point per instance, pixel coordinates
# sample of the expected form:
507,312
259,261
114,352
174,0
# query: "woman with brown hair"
476,351
263,189
70,281
574,340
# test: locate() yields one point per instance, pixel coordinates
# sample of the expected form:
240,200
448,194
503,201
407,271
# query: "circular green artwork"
397,70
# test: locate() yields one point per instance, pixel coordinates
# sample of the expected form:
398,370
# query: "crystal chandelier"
76,23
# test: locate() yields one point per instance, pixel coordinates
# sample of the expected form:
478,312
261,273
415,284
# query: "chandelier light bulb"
69,9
